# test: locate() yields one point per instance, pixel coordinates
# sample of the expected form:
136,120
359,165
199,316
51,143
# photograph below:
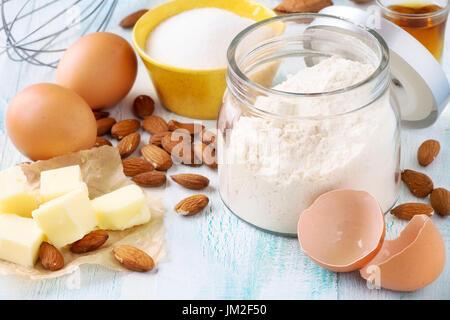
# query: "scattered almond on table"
427,152
130,20
192,205
133,258
440,201
125,127
408,210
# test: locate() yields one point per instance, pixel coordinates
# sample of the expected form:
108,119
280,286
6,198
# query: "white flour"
196,39
271,170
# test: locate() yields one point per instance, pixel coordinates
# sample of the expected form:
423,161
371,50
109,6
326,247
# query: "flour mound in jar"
196,39
272,169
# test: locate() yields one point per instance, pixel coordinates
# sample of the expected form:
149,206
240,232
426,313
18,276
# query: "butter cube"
57,182
68,218
122,208
15,194
20,239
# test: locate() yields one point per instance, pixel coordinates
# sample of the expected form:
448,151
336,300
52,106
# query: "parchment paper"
102,171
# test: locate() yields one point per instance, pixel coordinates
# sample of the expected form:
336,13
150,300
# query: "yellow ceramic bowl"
188,92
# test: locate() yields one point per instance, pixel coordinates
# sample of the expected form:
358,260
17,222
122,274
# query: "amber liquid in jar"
427,29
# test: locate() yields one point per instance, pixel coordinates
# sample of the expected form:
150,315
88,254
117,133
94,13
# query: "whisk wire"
37,47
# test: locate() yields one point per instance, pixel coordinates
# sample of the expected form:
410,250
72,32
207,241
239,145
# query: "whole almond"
143,106
125,127
408,210
207,137
130,20
100,114
104,125
150,179
157,137
159,158
427,152
206,154
440,201
134,166
418,183
154,124
192,205
171,140
100,141
51,258
129,144
191,181
192,128
133,258
90,242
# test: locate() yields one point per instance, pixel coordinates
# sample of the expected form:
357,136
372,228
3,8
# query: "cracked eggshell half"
410,262
342,230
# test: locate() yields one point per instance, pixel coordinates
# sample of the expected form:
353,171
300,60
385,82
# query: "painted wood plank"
215,255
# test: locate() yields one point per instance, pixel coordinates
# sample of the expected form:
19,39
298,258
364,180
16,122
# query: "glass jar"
296,122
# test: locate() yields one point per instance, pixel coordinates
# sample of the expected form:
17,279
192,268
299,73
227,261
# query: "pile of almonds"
171,142
421,186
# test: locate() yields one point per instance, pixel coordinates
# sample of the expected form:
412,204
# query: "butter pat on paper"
122,208
16,195
57,182
101,170
68,218
20,239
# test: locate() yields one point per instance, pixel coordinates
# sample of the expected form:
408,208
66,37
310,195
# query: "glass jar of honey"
425,20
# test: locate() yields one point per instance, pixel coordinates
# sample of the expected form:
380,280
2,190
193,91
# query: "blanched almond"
129,144
134,166
125,127
154,124
159,158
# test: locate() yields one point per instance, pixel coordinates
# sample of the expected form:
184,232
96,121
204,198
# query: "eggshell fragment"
101,67
342,230
410,262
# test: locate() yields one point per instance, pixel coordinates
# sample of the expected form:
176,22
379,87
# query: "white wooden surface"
214,255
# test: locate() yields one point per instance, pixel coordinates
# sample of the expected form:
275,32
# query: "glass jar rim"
442,11
233,66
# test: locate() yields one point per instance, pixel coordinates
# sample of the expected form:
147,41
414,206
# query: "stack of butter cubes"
61,214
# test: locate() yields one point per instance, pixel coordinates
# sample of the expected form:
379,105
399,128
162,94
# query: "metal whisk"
39,31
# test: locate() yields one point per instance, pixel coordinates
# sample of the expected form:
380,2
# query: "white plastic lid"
420,85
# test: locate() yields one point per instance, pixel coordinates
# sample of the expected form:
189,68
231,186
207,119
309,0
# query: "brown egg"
410,262
342,230
101,67
46,120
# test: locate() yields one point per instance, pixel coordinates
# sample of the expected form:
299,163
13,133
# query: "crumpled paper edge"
103,172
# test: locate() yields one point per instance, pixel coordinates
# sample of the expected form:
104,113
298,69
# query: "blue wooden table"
214,255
